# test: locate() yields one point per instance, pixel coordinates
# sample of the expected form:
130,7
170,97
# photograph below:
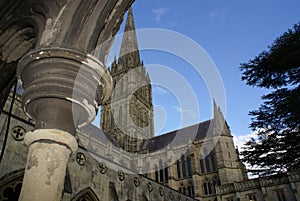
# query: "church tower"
127,117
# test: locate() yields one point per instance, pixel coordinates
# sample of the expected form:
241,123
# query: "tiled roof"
178,137
174,138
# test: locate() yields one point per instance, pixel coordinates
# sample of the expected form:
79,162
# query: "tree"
277,121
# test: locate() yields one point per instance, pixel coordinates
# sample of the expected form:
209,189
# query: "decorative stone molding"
150,187
121,175
136,181
161,191
72,81
18,133
80,158
103,168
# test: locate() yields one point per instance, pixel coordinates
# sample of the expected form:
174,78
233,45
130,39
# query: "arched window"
209,187
189,166
207,161
85,195
215,183
178,169
213,162
201,161
156,173
181,188
183,165
163,172
10,186
191,190
205,188
210,190
166,172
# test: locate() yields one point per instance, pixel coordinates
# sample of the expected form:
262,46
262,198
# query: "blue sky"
231,32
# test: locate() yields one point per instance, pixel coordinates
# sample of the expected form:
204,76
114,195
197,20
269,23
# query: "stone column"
62,90
49,150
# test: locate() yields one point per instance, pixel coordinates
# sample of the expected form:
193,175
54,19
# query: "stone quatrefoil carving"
18,133
80,158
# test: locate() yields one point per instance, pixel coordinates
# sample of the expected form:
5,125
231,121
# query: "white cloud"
240,140
159,12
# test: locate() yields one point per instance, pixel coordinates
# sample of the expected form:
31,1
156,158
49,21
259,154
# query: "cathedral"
124,161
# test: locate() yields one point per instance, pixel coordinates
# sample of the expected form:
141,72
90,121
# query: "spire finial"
129,40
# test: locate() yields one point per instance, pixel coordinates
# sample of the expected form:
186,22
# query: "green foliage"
277,121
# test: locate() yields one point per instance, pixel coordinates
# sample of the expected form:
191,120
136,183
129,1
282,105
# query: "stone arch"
16,40
10,185
86,194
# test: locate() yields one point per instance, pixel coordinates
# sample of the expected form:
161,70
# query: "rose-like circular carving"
18,133
103,168
150,187
80,158
136,181
171,196
161,191
121,175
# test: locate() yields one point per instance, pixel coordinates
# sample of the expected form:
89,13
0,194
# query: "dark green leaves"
277,120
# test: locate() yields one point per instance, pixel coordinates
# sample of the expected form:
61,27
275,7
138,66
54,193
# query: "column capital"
62,87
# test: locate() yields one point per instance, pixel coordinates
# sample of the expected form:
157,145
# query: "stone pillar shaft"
49,151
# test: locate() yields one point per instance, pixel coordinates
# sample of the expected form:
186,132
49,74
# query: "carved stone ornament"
103,168
18,133
150,187
136,181
80,158
161,191
171,195
121,175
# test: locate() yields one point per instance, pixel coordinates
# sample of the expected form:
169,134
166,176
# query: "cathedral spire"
129,41
220,120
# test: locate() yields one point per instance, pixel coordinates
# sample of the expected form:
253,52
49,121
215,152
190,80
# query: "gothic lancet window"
213,162
10,186
184,167
189,166
207,161
166,172
202,169
280,195
208,187
163,172
208,164
156,173
178,169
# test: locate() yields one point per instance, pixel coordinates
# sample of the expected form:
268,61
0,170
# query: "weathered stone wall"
264,189
88,173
